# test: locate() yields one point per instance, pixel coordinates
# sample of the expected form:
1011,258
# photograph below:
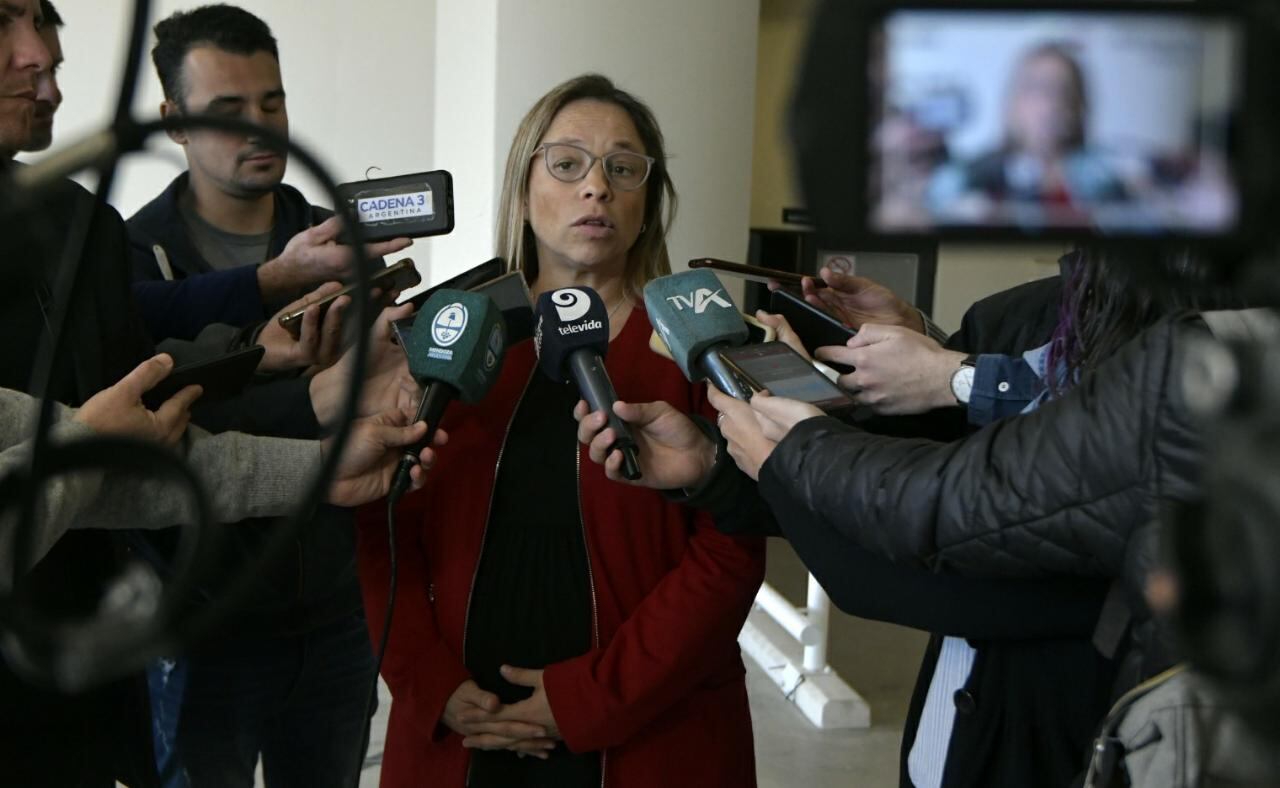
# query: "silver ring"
719,421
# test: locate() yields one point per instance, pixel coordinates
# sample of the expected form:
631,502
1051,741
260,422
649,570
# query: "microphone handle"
588,371
434,400
721,374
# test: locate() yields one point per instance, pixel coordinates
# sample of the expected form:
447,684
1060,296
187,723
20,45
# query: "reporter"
1008,670
245,476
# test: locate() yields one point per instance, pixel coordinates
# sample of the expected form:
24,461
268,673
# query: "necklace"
618,305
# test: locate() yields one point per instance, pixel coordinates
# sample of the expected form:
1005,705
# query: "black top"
531,604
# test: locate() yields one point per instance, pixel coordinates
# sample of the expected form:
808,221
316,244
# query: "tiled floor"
878,660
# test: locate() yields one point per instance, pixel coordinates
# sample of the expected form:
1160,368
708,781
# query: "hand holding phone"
220,378
392,279
781,371
755,273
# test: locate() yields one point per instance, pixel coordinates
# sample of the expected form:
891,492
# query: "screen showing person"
1055,119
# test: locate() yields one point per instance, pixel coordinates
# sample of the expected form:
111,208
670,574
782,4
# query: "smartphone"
753,273
394,278
757,333
468,279
403,206
222,377
509,292
785,373
815,327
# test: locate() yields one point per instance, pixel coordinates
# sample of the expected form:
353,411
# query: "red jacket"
663,693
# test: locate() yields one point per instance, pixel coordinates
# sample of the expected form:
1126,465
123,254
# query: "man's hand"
314,256
372,455
777,416
748,445
857,300
387,382
897,371
672,451
118,410
473,712
319,341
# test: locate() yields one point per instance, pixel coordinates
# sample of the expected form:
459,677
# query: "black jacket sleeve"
867,585
1053,492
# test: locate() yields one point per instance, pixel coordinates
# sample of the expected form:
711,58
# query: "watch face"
962,384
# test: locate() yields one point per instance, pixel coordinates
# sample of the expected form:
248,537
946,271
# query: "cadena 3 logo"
449,324
699,300
571,303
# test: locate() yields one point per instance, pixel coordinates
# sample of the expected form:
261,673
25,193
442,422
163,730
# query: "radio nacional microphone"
455,351
572,338
696,318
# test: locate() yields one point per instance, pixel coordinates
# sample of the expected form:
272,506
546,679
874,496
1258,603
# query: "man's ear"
170,109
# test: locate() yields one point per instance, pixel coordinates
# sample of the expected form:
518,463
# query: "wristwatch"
962,379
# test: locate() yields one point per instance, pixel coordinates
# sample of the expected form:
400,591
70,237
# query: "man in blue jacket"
228,242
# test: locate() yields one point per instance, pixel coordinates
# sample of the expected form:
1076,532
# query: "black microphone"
455,351
696,318
571,339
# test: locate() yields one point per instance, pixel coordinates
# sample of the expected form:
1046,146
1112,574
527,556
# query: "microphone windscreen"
569,319
691,312
459,339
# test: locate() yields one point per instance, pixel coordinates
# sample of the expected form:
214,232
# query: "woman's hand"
739,425
672,451
486,724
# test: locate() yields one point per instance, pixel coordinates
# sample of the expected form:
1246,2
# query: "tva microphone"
572,337
696,318
455,351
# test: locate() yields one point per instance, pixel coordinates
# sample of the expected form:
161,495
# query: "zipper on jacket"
591,581
493,491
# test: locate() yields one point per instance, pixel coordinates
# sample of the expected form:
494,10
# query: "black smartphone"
222,377
509,292
815,327
394,278
402,206
753,273
467,280
785,373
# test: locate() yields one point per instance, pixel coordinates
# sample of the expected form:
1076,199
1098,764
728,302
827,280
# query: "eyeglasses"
569,163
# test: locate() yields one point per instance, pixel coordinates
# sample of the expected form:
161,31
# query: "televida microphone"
572,338
695,318
455,351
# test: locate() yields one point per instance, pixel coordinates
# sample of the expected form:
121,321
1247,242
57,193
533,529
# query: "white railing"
790,645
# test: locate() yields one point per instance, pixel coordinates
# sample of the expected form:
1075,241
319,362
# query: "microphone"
455,351
696,318
571,338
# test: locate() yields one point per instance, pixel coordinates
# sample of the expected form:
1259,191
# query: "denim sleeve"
1002,386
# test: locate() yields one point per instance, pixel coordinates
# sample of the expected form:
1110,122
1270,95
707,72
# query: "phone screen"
782,371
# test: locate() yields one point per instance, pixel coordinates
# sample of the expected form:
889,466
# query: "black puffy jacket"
1055,492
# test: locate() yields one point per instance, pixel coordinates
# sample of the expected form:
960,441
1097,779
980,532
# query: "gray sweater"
244,476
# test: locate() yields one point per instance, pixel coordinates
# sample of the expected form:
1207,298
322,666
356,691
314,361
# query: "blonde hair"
647,259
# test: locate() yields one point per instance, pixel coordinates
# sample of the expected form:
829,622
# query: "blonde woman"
554,628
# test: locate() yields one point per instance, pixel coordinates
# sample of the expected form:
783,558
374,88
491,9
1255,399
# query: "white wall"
359,80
